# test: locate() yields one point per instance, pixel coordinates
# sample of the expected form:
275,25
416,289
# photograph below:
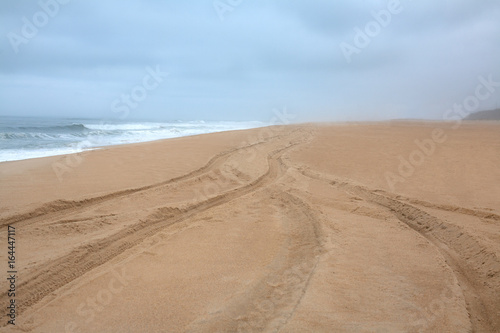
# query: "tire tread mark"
68,205
270,304
477,268
41,281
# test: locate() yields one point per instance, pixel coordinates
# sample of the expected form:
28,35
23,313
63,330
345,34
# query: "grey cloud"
263,55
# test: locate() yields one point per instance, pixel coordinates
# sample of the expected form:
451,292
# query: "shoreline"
52,158
61,167
124,144
289,227
413,122
35,138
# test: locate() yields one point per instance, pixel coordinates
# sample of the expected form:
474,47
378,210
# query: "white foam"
113,134
7,155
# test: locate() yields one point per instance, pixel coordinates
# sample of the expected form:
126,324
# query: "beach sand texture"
350,227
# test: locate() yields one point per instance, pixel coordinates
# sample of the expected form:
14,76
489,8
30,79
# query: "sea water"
31,137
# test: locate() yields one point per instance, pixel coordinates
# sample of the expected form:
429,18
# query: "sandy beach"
355,227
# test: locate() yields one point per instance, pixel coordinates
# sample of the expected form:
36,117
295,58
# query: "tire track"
477,269
65,206
41,281
446,207
454,209
269,305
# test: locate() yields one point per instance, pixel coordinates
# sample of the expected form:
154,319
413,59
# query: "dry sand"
291,229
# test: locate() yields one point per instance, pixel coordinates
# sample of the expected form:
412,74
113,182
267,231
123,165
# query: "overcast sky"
239,60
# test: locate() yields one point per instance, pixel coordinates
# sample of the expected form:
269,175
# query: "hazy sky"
240,59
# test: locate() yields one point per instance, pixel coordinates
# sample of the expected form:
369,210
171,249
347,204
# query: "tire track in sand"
65,206
269,305
445,207
41,281
476,268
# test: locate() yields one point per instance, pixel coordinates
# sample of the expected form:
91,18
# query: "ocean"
23,137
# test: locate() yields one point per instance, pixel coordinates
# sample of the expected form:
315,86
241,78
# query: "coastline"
31,137
290,227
